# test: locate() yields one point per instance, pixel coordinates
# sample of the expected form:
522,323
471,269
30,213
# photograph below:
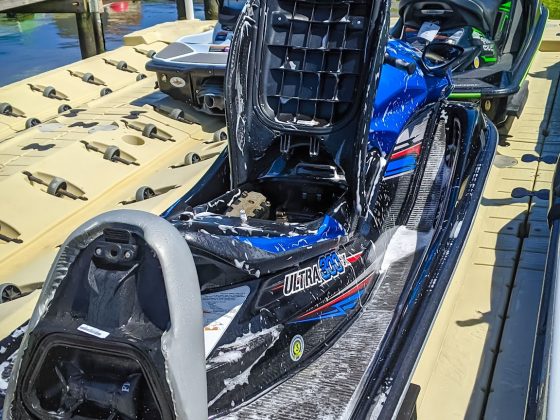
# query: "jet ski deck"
362,359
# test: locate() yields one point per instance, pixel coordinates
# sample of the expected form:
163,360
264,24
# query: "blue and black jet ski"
300,277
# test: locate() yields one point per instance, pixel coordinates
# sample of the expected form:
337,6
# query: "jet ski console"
477,26
499,39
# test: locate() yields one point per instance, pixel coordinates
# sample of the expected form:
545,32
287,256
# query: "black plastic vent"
315,51
119,236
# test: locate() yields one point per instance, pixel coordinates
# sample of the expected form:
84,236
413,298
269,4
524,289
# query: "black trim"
400,355
184,68
538,394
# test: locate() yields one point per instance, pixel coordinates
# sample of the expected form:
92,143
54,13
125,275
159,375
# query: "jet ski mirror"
437,57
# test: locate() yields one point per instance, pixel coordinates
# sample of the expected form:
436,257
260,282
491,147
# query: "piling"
96,8
181,12
86,34
185,9
98,33
211,9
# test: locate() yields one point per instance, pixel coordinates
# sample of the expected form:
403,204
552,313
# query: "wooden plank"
44,6
49,6
12,4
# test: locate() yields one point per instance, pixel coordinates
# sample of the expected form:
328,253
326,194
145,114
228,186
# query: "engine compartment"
302,183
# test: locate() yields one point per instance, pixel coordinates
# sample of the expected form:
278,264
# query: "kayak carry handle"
9,110
149,130
173,113
57,186
111,153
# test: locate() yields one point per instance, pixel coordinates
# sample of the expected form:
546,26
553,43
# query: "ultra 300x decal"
328,267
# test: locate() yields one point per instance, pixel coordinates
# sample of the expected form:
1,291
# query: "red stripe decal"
350,292
353,258
411,150
278,287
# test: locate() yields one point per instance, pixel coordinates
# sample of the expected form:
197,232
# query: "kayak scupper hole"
133,140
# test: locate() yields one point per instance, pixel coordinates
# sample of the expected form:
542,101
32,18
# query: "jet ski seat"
481,14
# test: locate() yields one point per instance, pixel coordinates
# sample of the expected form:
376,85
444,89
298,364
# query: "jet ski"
300,276
192,68
499,38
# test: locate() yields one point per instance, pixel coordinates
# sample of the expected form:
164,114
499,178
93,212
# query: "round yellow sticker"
296,348
476,62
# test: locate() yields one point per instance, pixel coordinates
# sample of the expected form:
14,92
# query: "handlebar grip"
409,67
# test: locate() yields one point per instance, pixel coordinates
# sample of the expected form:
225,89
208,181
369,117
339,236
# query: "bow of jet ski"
500,39
300,276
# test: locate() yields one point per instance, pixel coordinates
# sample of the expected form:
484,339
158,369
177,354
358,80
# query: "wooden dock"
45,6
477,361
88,16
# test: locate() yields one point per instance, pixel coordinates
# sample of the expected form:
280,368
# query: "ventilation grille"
116,235
315,53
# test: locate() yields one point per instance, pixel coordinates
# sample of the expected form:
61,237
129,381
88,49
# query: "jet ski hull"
296,265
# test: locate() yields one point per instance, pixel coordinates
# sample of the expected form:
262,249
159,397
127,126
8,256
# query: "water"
34,43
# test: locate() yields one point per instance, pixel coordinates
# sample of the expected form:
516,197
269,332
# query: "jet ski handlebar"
409,67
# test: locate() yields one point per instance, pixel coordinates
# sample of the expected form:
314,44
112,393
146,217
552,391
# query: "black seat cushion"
481,14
